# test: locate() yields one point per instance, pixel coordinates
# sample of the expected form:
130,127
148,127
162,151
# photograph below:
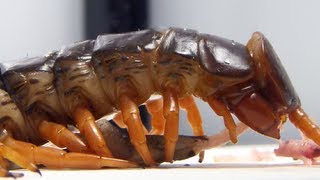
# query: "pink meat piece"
299,149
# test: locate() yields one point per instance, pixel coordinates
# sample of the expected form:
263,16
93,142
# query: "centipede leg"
87,126
4,164
118,119
61,136
18,158
309,128
154,107
221,110
171,114
188,104
55,158
131,118
4,173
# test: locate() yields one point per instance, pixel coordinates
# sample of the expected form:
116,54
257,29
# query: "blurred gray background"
35,27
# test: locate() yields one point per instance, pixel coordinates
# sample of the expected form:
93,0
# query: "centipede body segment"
116,73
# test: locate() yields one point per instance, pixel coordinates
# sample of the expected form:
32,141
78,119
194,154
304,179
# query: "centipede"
116,73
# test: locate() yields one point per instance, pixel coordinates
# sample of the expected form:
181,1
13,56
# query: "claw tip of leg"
14,175
38,171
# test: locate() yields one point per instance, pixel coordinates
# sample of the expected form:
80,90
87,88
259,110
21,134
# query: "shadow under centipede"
233,165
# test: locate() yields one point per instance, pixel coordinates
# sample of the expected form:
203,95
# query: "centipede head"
269,96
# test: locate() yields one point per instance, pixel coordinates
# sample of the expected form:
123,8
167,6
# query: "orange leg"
87,126
221,110
131,118
157,120
309,128
61,136
17,158
187,103
5,173
54,158
118,119
3,163
171,114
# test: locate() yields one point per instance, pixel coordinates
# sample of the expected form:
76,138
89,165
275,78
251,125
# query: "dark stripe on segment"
40,92
121,78
48,84
33,81
70,91
136,72
4,119
18,86
164,62
79,75
15,108
82,81
136,67
175,75
76,69
186,64
9,101
110,61
187,70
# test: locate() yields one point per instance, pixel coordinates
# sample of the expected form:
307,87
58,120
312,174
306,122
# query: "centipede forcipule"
118,72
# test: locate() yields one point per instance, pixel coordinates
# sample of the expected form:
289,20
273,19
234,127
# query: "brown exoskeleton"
118,72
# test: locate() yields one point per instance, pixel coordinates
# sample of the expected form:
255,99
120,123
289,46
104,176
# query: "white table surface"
231,162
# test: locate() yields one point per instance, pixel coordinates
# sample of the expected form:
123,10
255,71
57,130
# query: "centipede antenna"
302,121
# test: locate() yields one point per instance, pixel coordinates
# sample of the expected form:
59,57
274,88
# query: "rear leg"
18,158
54,158
5,173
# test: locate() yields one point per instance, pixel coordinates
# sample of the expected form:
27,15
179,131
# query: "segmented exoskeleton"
118,72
